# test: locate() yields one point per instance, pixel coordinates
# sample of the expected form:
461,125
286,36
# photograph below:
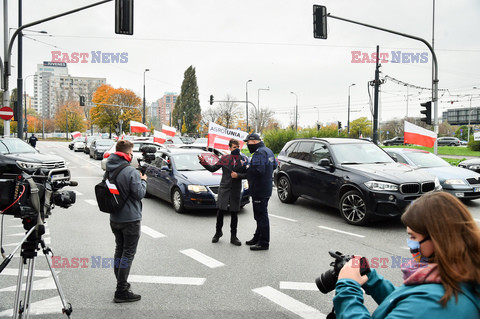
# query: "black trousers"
260,213
126,241
233,221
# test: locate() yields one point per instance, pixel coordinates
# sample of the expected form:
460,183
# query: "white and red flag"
217,133
221,143
159,137
76,134
113,189
168,130
137,127
414,134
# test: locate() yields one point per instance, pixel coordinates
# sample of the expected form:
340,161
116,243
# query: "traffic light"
319,22
82,100
339,124
428,112
211,99
124,17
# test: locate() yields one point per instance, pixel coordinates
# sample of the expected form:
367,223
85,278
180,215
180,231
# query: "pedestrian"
259,176
33,140
125,223
442,280
229,200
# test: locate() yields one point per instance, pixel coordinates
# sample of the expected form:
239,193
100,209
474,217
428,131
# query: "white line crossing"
91,202
202,258
341,231
289,303
152,232
14,272
42,307
281,217
291,285
42,284
167,280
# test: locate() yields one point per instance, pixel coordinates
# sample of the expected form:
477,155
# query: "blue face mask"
415,245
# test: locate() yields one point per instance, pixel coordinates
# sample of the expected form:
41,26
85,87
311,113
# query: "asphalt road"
180,273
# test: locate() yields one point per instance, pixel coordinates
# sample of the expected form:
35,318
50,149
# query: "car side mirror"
324,162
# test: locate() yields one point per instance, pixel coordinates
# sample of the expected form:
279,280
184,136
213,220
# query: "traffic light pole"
435,64
247,102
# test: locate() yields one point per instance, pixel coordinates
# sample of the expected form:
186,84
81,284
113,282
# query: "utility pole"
19,76
6,94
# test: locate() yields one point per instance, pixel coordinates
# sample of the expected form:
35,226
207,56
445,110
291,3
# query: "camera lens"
326,282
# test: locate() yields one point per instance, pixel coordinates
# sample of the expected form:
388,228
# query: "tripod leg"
16,307
29,286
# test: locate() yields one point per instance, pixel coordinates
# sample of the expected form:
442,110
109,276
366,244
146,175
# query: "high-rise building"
166,104
53,87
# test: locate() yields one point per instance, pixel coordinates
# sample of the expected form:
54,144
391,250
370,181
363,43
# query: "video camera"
148,156
31,196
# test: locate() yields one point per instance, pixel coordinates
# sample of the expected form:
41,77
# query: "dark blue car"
177,177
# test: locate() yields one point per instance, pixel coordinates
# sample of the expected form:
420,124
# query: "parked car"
394,141
353,175
79,145
463,142
448,141
458,181
99,146
17,156
136,152
176,176
187,139
173,141
471,164
76,139
88,140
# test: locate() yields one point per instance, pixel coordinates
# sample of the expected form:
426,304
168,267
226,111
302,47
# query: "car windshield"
104,143
90,139
187,162
361,153
426,160
14,146
174,140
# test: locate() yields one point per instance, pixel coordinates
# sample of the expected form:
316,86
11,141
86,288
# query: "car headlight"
29,165
474,167
197,188
245,184
381,186
455,181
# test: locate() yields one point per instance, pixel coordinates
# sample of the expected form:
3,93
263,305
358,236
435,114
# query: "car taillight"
106,155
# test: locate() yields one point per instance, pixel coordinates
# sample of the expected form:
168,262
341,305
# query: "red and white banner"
76,134
137,127
221,143
414,134
216,133
168,130
159,137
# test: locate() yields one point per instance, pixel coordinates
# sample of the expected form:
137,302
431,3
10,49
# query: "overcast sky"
271,43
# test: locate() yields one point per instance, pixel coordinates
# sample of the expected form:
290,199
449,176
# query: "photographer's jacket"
130,186
260,172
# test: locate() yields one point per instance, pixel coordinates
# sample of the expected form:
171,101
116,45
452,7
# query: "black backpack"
108,195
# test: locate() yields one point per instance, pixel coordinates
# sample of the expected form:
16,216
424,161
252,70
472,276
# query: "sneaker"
126,296
234,240
216,237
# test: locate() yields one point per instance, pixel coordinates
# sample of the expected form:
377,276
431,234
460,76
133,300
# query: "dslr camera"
148,156
326,282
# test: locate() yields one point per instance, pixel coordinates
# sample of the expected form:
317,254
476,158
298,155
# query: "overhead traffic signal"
428,112
82,100
319,22
339,124
124,17
211,99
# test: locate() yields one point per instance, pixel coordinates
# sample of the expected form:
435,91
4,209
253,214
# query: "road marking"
201,258
151,232
16,226
17,234
42,307
477,220
280,217
14,272
291,285
289,303
341,231
167,280
78,193
47,240
92,202
42,284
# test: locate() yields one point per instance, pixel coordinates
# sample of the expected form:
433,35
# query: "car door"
165,176
300,162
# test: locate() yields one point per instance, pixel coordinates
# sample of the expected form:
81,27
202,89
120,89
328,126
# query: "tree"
228,112
74,113
188,102
360,126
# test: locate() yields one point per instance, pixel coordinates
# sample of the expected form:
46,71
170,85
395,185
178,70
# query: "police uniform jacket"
260,172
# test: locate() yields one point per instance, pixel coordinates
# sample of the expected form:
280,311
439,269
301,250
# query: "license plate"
476,189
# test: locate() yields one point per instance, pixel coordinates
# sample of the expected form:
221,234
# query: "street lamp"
144,117
296,111
246,101
318,114
348,119
258,105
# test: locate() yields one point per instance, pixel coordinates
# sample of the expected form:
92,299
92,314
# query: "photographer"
441,281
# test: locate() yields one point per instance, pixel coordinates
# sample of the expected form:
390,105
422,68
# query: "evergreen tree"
187,108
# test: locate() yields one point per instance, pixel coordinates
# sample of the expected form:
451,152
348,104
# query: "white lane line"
291,285
17,234
42,284
78,193
16,226
289,303
42,307
201,258
92,202
167,280
341,231
14,272
280,217
151,232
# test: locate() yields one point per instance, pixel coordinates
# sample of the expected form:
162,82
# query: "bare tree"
264,119
228,112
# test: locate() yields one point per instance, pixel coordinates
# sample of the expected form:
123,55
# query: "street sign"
476,136
6,113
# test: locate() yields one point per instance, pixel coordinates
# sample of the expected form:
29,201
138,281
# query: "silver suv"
448,141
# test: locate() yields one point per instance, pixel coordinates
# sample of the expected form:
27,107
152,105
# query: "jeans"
233,221
260,213
126,241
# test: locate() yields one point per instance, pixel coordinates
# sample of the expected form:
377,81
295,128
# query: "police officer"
259,176
33,140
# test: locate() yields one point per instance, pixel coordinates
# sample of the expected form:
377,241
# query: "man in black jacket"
125,223
259,176
230,190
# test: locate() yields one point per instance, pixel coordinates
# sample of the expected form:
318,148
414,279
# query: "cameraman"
125,224
441,281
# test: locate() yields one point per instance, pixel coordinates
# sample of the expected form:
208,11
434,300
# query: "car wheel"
453,144
353,208
284,190
177,201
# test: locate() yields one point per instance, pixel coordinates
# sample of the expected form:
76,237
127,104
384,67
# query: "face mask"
415,247
252,147
235,151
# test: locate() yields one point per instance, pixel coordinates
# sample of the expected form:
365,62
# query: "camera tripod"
30,244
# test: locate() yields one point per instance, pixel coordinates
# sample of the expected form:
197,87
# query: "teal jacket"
418,301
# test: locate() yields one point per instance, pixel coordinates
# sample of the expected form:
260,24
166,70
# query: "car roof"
335,140
405,150
174,151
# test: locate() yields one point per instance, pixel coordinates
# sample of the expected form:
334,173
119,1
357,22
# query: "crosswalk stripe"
91,202
42,307
341,231
14,272
281,217
167,280
151,232
42,284
287,302
201,258
291,285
